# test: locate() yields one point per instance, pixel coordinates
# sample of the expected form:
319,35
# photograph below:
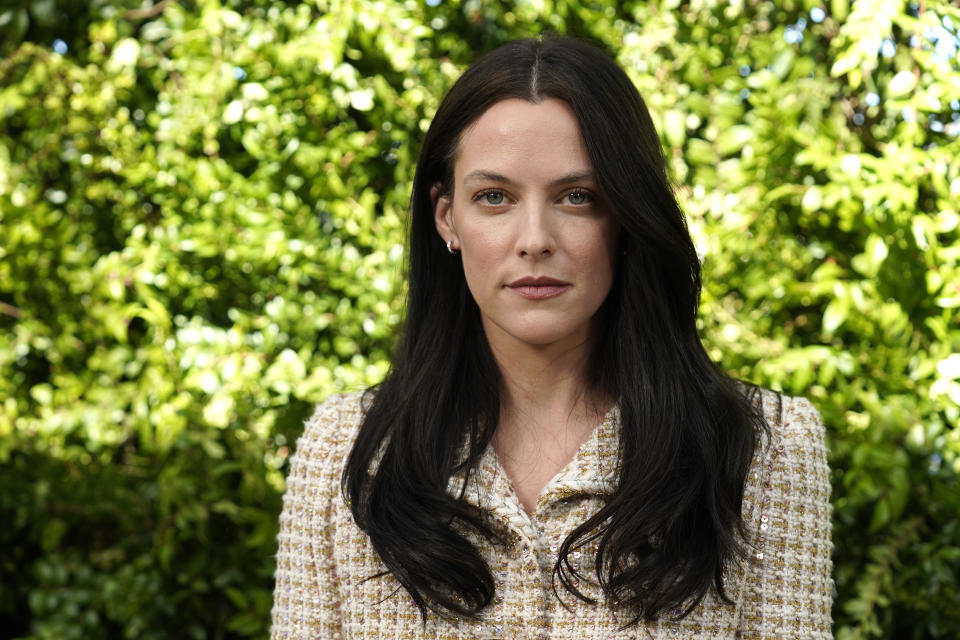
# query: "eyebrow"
573,176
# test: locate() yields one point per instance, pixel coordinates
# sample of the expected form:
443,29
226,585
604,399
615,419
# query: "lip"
542,281
539,288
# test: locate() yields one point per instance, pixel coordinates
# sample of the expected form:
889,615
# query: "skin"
525,204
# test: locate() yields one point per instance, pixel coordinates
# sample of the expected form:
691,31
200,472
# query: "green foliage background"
202,207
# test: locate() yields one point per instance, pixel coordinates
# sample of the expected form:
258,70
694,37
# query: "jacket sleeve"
788,591
306,595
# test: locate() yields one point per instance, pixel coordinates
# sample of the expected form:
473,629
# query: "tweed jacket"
783,590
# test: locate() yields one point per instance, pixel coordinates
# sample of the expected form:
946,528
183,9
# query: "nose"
535,237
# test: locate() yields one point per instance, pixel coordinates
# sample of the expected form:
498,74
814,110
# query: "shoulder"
792,457
311,502
336,418
787,517
329,433
794,422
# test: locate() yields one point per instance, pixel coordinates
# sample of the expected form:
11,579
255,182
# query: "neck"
545,387
547,409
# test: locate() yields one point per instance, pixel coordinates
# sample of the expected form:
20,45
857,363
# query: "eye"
492,198
579,197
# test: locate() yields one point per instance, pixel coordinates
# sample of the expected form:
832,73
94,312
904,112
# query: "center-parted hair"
688,431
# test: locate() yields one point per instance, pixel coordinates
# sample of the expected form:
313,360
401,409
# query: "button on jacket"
783,590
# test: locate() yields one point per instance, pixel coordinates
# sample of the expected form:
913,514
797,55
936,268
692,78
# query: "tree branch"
10,310
147,12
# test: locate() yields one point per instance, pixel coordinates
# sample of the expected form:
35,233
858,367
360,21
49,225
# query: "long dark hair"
688,431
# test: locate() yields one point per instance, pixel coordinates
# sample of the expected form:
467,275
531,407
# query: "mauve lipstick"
538,288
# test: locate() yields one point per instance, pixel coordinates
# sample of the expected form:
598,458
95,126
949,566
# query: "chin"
549,336
536,330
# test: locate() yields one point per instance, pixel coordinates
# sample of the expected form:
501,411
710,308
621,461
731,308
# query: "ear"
443,216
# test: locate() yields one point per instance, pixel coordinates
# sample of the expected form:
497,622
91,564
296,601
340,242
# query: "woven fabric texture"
783,590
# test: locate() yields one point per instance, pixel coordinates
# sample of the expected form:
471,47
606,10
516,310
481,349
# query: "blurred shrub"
201,235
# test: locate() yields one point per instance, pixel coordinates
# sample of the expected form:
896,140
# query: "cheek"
483,244
597,252
482,255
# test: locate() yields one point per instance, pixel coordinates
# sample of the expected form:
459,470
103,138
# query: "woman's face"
537,243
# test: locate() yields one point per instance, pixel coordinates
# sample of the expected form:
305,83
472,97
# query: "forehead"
532,139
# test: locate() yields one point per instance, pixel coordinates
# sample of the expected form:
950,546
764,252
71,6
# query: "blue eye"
494,198
578,197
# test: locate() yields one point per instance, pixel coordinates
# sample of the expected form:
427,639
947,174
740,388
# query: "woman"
553,454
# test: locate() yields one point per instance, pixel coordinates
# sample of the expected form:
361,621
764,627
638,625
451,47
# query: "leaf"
835,315
812,199
845,63
783,63
733,138
674,127
869,262
839,10
882,514
901,84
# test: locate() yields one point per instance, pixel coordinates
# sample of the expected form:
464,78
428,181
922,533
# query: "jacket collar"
591,472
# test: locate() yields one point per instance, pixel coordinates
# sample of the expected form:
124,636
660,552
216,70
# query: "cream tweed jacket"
783,590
